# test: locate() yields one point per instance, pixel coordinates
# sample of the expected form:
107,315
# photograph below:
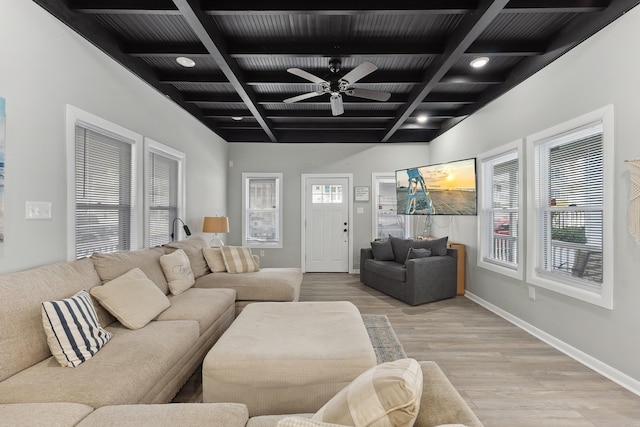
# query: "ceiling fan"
336,84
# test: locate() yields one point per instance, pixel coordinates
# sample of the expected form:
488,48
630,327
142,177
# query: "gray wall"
597,73
46,66
293,160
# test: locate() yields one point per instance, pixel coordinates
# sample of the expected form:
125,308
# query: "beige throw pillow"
178,271
214,259
297,421
132,298
239,259
387,394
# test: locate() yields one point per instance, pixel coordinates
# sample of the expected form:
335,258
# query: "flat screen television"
440,189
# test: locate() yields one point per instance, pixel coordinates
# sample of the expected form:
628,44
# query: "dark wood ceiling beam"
210,36
466,33
330,7
510,48
473,79
555,6
166,50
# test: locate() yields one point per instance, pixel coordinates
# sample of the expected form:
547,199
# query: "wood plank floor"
507,376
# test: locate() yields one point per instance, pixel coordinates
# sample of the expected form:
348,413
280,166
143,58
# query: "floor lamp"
215,224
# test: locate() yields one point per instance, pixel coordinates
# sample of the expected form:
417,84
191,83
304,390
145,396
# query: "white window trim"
605,297
374,202
152,146
245,177
517,273
73,116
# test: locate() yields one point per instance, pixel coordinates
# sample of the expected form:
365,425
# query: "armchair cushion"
382,250
417,253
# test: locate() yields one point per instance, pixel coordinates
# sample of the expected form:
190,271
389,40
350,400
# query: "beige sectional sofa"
146,365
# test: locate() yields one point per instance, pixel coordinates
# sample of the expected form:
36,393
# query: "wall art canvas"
3,127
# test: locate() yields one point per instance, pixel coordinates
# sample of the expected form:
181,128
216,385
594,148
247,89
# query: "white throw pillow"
214,258
238,259
132,298
177,270
73,332
387,394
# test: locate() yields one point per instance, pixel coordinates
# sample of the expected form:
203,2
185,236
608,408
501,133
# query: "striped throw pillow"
73,332
386,395
239,259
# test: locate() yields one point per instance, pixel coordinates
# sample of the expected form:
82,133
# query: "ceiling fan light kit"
336,84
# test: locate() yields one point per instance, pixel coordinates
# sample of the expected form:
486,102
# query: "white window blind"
569,207
500,209
103,188
163,197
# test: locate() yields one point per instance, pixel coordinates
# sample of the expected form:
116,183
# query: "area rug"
383,338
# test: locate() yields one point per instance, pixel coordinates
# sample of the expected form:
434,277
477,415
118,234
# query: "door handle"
345,230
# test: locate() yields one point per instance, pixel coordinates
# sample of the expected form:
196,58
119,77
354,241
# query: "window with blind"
262,215
570,211
103,191
500,203
164,191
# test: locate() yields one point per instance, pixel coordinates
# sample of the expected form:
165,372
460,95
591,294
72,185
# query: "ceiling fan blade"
302,97
337,107
306,75
359,72
369,94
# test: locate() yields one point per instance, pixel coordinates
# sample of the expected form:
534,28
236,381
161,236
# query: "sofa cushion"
417,253
239,259
296,421
182,414
43,414
387,394
177,270
382,250
389,269
267,284
132,298
214,259
193,247
113,265
401,247
125,371
73,332
205,306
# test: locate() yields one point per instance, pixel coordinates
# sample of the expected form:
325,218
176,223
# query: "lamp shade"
215,224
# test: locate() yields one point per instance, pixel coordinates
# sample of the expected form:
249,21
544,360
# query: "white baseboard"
600,367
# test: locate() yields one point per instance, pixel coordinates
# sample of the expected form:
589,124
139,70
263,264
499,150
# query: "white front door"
327,225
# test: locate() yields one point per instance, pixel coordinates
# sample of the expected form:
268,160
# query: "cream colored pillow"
387,394
132,298
238,259
177,270
297,421
214,259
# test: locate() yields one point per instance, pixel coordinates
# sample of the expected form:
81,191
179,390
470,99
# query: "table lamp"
215,224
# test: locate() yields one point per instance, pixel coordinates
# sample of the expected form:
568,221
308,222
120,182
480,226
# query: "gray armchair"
389,267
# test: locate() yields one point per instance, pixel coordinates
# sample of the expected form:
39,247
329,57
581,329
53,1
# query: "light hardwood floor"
508,377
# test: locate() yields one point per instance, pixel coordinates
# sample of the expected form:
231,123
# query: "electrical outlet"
532,293
38,210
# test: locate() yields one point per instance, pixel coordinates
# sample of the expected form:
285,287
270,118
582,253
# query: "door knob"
345,230
345,223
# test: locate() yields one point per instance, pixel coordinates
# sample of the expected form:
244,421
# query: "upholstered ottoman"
287,357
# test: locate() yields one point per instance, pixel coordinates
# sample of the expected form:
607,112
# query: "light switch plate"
38,210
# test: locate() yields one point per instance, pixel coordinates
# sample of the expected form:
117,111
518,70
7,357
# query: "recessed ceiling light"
422,118
185,62
479,62
236,118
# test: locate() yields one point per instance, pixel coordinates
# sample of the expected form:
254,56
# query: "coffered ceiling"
422,49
